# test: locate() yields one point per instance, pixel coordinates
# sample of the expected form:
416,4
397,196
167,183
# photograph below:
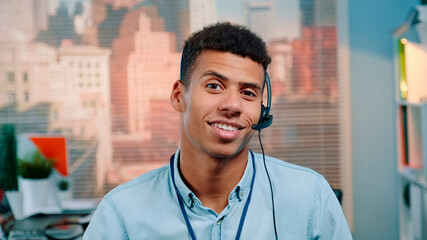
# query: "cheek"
195,110
188,108
255,112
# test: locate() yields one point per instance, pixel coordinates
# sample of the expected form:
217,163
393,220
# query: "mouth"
226,126
226,131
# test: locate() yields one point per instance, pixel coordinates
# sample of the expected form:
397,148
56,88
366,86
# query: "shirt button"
241,193
219,222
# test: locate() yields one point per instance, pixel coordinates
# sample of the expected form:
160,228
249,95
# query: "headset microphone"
265,120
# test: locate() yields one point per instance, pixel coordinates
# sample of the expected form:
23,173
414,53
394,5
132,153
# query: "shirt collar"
240,191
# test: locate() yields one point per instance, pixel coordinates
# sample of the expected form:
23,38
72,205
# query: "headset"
265,120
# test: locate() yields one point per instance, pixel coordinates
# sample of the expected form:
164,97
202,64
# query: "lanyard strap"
184,213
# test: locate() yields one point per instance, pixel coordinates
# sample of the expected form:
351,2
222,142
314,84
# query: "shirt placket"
217,228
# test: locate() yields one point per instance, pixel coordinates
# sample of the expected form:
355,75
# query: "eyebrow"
216,74
224,78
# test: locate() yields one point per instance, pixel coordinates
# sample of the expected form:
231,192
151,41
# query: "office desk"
32,228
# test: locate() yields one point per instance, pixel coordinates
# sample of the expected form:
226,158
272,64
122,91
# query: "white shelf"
411,104
411,125
414,177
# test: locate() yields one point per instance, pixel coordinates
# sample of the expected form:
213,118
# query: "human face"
221,103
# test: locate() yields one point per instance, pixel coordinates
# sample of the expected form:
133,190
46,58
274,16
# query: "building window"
55,115
25,77
11,77
27,97
11,97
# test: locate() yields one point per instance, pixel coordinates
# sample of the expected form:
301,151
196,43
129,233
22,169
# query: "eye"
249,93
213,86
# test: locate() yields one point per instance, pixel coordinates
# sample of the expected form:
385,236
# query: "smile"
225,127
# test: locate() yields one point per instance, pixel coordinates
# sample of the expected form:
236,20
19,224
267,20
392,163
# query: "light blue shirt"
147,207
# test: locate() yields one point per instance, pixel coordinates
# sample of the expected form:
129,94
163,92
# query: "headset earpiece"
264,112
265,119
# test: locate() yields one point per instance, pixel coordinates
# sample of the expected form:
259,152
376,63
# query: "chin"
224,152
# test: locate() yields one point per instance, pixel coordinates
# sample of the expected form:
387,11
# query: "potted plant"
34,169
63,185
35,166
64,192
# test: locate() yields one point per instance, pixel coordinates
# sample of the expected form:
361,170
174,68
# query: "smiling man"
214,186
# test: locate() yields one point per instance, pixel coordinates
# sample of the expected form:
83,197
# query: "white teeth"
225,127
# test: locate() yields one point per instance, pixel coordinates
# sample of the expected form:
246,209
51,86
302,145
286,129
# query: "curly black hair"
223,37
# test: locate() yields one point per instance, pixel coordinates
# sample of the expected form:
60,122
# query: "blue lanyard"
184,213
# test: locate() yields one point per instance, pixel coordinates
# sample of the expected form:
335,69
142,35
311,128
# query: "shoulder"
141,185
291,180
123,205
282,167
299,191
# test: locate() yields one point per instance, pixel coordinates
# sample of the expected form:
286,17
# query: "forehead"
229,65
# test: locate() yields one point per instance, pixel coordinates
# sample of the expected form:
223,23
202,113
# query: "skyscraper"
152,68
22,20
144,65
315,69
202,13
170,11
260,18
320,13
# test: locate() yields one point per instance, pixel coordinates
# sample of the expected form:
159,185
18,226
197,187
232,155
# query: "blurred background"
99,72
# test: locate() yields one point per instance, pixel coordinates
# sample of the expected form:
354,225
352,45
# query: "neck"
212,179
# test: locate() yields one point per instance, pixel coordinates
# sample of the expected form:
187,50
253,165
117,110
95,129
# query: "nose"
231,104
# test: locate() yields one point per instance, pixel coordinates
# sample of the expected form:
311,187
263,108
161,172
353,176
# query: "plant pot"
64,196
34,194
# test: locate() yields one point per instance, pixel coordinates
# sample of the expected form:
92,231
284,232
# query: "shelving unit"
411,103
412,165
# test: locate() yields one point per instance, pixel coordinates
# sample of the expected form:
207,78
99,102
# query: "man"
215,187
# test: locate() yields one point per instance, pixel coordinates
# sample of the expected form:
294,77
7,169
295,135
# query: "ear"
177,98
